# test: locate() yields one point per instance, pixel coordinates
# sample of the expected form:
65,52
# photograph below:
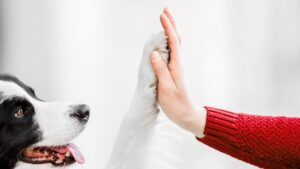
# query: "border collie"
33,131
145,139
35,134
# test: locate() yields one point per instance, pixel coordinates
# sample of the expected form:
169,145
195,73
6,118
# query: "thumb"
160,68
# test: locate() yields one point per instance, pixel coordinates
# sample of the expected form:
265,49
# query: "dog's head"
34,131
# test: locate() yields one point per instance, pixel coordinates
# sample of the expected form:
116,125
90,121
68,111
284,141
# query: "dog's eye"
19,113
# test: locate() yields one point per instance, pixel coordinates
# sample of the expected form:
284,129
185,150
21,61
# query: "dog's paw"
157,42
147,77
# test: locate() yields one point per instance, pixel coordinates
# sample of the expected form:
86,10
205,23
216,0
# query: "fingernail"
155,56
167,9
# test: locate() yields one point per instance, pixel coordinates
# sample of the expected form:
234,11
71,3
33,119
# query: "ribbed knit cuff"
220,129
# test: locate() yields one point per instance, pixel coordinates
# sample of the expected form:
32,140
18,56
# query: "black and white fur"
44,124
144,140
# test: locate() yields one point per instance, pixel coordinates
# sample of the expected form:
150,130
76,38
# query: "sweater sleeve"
264,141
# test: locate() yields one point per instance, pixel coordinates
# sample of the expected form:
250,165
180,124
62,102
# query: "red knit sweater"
264,141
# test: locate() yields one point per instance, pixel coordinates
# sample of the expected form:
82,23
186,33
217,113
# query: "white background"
239,55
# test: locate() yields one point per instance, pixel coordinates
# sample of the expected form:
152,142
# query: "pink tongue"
76,153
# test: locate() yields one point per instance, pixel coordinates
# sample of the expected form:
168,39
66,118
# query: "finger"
169,30
169,14
161,69
173,42
175,71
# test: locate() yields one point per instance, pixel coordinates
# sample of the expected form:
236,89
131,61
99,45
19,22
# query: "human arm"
265,141
268,142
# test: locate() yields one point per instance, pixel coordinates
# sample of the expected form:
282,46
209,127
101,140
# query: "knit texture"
265,141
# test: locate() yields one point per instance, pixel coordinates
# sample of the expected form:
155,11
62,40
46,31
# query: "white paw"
147,77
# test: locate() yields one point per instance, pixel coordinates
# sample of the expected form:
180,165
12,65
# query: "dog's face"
34,132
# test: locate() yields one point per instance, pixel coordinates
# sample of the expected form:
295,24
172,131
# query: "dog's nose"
81,113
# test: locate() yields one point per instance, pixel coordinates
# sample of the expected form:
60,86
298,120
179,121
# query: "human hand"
172,95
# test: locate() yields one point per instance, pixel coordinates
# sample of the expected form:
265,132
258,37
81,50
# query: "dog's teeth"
58,161
68,154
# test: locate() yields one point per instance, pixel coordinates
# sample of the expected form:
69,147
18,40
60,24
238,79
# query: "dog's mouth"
57,155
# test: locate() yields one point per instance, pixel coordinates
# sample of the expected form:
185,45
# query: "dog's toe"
158,42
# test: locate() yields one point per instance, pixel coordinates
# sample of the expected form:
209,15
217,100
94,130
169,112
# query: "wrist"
196,124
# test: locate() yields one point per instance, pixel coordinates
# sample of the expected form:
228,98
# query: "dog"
35,133
145,140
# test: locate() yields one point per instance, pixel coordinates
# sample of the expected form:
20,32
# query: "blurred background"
239,55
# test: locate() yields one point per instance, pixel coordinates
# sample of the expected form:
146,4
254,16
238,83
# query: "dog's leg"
132,147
